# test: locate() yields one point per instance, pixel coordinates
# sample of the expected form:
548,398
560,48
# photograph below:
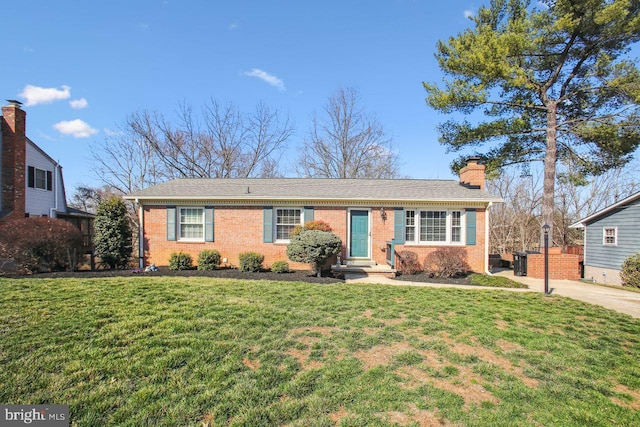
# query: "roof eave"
294,199
583,222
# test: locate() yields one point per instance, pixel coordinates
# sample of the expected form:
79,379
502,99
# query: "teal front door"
359,242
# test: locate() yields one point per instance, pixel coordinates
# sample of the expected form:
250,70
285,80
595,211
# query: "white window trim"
179,222
275,222
35,179
447,242
615,236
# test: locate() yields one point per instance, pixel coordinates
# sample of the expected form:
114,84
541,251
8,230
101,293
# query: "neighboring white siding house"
610,236
45,195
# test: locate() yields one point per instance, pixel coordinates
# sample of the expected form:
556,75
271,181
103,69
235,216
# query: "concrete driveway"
620,300
617,299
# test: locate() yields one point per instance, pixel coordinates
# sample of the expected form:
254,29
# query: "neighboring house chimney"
14,159
472,175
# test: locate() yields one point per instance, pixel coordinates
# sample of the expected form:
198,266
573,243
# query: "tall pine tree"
553,83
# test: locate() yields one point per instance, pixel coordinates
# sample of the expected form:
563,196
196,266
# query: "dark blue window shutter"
171,223
208,223
49,181
31,176
398,225
308,214
471,226
267,224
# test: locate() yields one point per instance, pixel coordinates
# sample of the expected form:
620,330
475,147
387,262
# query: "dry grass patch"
381,355
634,394
416,416
466,384
489,356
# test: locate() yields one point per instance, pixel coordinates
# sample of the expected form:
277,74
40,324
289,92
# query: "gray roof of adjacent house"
259,189
584,221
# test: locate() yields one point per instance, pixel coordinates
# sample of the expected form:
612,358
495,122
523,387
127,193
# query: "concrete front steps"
352,269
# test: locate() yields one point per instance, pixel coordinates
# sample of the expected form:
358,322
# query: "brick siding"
239,229
561,266
475,253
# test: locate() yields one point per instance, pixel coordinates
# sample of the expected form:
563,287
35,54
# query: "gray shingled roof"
417,190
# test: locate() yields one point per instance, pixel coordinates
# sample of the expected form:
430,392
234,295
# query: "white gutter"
486,240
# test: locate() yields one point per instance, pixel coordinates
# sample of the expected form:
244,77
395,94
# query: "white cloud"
468,14
44,95
233,26
78,104
77,128
263,75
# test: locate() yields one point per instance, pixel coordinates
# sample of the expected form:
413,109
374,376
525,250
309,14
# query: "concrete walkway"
620,300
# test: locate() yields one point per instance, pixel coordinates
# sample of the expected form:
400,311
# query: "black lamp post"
546,228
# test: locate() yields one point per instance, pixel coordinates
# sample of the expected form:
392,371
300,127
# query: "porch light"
383,214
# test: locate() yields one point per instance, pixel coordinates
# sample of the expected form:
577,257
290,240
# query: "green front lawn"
199,351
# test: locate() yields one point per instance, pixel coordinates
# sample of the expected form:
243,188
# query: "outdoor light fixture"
545,229
383,214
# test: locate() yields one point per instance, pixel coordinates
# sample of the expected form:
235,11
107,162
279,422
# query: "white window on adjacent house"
610,236
286,220
39,178
191,225
434,227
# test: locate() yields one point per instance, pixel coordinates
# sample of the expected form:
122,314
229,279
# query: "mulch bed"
223,273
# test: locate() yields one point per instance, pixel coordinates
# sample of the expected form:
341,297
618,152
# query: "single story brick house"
610,236
371,216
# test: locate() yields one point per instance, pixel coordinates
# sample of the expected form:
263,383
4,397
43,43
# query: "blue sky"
81,67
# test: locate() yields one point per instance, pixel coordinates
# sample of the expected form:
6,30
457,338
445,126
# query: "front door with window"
359,237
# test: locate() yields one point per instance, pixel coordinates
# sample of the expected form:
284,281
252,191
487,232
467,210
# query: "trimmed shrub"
40,244
314,247
408,263
180,261
310,225
630,274
280,267
251,261
447,262
112,237
209,259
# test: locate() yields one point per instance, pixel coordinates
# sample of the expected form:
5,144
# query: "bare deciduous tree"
515,224
221,143
346,142
228,145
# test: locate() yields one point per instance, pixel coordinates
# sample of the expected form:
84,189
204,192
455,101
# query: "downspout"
53,212
486,240
140,234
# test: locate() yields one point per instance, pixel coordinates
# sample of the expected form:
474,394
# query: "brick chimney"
14,159
472,175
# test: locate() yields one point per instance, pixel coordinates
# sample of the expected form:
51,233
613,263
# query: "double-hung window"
434,226
410,226
191,224
286,220
39,178
610,236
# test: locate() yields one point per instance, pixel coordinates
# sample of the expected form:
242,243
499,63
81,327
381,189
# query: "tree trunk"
549,173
